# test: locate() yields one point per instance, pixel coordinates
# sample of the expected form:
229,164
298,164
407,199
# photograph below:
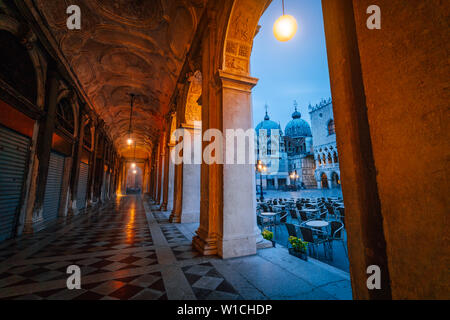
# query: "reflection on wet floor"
119,258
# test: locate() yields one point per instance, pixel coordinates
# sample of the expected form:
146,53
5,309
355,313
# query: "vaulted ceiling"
126,46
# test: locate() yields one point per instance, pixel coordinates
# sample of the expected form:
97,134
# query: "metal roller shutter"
14,151
82,185
53,187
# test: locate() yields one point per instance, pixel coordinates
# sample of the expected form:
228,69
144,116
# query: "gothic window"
335,157
329,159
331,129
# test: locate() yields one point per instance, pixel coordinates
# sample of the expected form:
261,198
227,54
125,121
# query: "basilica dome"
297,127
268,125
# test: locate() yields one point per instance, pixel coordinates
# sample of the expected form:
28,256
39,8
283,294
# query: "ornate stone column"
159,174
163,172
238,231
42,157
101,176
76,164
165,185
154,178
93,164
175,216
190,204
124,177
171,180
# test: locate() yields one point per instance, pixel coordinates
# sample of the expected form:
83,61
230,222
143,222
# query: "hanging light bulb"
285,27
134,171
133,165
129,140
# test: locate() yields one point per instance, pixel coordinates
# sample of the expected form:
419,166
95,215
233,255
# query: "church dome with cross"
268,125
297,127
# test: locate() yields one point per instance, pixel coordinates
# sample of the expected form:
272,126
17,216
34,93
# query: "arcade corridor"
126,251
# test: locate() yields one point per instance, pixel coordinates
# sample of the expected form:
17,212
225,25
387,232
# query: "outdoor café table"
270,215
310,212
317,223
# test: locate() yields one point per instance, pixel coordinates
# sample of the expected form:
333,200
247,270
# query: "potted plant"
268,235
299,248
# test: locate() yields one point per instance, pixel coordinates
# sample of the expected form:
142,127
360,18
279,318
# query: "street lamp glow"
129,141
134,171
133,165
285,28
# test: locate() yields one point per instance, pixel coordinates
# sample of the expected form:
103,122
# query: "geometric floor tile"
119,289
185,252
208,284
172,234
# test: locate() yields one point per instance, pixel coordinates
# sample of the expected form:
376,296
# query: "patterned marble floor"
128,250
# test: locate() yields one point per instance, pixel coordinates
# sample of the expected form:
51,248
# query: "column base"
264,244
237,247
28,228
206,247
163,207
174,218
258,235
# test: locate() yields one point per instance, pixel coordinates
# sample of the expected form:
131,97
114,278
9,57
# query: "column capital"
191,126
236,81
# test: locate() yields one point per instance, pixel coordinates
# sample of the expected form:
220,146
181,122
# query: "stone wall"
405,70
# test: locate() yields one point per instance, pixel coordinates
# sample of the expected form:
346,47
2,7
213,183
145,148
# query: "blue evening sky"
293,70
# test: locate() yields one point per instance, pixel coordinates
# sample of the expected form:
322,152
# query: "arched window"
331,129
16,66
335,157
329,159
65,115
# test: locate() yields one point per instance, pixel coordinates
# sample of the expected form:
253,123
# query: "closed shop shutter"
82,185
14,151
53,187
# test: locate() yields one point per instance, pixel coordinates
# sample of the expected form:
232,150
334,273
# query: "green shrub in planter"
268,235
299,247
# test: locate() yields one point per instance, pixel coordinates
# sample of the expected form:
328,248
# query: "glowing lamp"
134,171
285,28
133,165
129,141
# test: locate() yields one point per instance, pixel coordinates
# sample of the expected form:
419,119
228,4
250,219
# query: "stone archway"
227,220
11,25
134,180
222,48
188,123
335,181
324,181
